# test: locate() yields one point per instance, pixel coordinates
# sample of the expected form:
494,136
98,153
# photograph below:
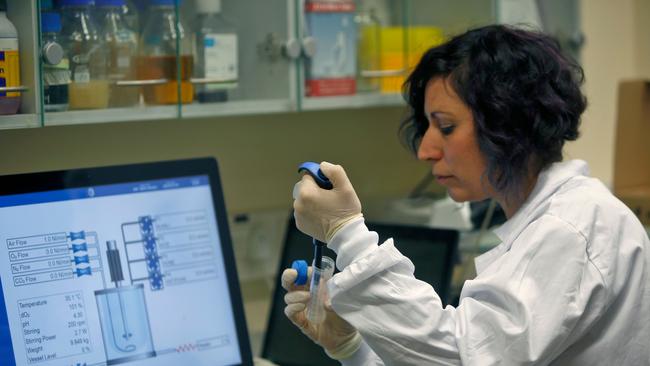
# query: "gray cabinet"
290,55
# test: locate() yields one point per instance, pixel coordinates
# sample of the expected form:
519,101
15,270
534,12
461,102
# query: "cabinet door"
163,59
245,56
105,61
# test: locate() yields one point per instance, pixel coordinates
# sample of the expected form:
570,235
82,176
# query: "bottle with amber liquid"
158,61
122,47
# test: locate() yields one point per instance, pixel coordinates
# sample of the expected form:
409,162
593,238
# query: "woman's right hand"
338,337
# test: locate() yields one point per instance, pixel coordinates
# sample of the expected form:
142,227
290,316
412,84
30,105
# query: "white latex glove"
338,337
319,212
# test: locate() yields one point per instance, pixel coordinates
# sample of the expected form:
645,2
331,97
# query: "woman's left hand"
338,337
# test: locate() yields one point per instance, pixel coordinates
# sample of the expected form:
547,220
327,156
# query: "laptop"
117,265
432,251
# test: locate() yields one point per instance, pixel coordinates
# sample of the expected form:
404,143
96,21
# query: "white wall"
617,47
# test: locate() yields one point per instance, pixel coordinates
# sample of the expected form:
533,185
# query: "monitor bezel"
85,177
448,237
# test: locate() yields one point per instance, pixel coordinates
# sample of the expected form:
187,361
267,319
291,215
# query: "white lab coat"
568,285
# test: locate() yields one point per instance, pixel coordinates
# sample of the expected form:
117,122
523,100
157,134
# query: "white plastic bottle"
216,52
9,63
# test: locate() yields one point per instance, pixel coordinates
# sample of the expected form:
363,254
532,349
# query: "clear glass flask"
158,60
368,50
122,47
86,50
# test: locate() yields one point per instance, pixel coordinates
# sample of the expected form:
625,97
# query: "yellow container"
399,60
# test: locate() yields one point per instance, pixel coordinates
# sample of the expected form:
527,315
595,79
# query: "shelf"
20,121
353,101
111,115
232,108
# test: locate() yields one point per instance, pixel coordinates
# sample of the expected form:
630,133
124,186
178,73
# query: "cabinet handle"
309,46
272,48
291,49
141,82
7,89
213,81
382,73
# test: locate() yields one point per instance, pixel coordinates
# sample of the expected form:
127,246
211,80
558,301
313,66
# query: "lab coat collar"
548,182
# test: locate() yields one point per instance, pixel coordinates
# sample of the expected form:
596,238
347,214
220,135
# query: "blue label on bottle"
208,42
3,81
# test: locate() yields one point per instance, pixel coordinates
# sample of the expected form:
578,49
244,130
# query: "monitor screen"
431,250
134,271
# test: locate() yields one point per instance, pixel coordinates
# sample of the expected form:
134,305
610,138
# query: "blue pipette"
323,267
313,169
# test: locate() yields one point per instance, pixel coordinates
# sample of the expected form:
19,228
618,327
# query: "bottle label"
9,66
81,74
124,61
119,65
220,58
79,68
58,74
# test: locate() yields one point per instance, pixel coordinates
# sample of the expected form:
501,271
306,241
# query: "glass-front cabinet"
87,61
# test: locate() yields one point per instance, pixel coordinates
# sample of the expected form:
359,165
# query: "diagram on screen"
155,252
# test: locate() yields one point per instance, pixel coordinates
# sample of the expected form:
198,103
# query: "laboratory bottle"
122,48
216,52
56,66
87,54
9,63
46,5
368,51
158,56
131,16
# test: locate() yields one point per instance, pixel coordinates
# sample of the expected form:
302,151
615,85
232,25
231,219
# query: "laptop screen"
110,267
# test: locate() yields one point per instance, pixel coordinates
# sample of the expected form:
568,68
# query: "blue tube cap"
75,2
109,3
50,22
300,266
165,2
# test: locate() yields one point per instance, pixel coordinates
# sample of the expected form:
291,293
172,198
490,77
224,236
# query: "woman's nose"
430,146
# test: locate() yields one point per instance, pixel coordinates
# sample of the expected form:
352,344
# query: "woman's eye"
446,130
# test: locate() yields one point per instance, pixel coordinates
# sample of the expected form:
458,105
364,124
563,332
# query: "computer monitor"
431,250
123,264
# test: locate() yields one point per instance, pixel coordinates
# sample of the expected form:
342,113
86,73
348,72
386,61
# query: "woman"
569,284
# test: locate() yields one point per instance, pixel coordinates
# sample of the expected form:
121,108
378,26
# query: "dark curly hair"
524,95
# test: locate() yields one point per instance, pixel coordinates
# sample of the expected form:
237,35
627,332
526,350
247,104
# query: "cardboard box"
332,71
632,147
